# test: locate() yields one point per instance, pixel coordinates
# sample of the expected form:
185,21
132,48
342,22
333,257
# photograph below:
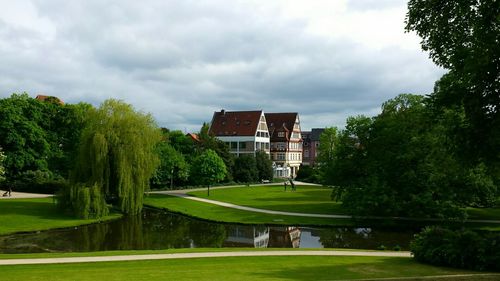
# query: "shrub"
461,248
35,182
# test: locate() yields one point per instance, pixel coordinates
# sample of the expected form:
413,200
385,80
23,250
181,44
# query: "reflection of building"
286,143
245,132
248,236
284,237
310,146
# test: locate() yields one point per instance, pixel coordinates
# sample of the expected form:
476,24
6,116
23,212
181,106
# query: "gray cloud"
181,60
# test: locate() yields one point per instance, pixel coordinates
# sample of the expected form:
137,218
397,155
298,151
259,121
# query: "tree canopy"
245,169
399,164
463,37
117,152
208,168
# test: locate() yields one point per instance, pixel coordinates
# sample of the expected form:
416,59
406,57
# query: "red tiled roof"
235,123
193,136
43,98
280,122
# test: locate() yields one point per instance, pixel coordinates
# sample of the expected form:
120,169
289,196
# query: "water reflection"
163,230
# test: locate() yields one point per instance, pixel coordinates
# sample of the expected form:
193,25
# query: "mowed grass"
305,199
484,213
19,215
236,268
222,214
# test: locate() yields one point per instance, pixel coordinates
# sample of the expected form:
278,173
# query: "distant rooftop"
49,99
235,123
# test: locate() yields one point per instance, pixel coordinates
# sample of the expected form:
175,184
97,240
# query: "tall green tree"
398,164
326,156
348,164
245,169
117,152
208,168
173,166
463,37
264,165
208,141
22,137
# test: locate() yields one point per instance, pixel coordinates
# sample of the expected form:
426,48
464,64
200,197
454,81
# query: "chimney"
223,112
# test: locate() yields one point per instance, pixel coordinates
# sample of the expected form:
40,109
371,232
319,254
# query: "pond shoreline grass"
38,214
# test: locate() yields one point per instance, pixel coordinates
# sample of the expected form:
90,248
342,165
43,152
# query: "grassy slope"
232,268
306,199
223,214
18,215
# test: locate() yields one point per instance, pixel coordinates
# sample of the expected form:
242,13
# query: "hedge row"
458,248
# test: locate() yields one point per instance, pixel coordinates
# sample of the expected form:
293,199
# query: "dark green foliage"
264,166
221,148
173,166
22,136
36,182
326,154
460,248
399,164
86,202
308,174
463,37
38,138
208,168
245,169
181,142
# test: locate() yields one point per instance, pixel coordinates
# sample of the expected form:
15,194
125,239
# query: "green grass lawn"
19,215
236,268
306,199
222,214
484,213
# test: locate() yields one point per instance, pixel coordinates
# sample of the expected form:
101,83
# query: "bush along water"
86,202
463,248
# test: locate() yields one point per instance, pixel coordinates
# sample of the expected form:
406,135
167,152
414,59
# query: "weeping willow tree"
116,153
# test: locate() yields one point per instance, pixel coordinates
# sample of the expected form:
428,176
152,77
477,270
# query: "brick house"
286,143
310,145
245,132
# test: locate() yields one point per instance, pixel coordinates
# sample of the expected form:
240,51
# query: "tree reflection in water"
162,230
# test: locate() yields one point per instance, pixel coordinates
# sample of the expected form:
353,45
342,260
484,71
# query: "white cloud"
181,60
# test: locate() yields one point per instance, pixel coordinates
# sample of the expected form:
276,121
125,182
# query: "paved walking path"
16,195
256,210
203,255
183,194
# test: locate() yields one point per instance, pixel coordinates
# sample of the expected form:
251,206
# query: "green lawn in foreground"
222,214
306,198
234,268
18,215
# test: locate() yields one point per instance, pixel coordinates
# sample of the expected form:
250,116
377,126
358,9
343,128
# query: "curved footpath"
182,193
203,255
17,195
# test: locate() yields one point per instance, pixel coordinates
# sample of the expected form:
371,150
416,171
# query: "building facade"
245,132
310,144
286,143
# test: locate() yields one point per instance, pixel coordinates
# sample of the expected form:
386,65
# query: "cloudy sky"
182,60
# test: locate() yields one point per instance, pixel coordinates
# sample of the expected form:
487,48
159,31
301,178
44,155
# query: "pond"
156,229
